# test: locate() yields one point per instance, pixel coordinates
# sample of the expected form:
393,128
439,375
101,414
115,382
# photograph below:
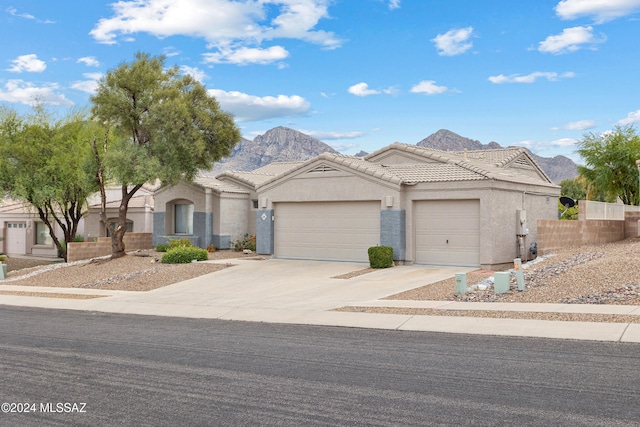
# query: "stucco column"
208,217
265,232
393,231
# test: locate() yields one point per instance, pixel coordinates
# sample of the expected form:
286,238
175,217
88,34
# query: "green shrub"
247,242
184,255
162,247
78,238
380,256
180,243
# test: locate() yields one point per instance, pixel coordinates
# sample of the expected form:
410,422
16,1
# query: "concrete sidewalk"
305,292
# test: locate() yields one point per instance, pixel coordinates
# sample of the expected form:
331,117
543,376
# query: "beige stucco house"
433,207
23,233
212,211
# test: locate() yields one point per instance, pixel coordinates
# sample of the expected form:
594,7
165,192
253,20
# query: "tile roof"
219,186
140,201
9,206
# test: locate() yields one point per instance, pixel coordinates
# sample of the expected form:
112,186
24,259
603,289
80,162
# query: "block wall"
102,247
557,234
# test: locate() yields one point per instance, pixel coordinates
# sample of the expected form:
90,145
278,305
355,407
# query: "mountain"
282,144
557,168
279,144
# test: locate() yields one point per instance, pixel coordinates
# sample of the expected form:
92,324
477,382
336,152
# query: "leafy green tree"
165,127
41,163
573,188
610,163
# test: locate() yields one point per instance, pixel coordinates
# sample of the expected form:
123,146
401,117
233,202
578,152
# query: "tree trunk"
117,238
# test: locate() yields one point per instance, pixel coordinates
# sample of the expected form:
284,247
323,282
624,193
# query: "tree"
610,163
166,128
41,163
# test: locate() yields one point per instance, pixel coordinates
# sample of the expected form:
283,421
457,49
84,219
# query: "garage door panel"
327,231
447,232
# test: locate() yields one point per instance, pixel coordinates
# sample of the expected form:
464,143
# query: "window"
42,234
128,227
183,219
255,203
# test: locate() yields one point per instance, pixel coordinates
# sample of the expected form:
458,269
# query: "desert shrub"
184,255
180,243
247,242
211,248
162,247
78,238
380,256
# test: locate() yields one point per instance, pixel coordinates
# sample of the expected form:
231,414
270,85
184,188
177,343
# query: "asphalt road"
142,370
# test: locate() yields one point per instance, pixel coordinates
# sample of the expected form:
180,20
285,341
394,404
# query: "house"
139,212
475,208
212,211
22,232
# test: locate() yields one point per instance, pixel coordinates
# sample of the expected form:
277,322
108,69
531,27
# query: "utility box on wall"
521,223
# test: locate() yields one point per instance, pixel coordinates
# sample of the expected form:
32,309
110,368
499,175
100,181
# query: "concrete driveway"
301,285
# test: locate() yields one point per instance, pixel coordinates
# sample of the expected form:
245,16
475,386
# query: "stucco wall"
498,205
235,215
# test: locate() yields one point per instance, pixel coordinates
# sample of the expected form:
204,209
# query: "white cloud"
29,63
578,125
89,61
633,117
394,4
600,10
555,146
194,72
530,78
90,85
454,42
332,135
362,89
227,25
249,108
429,87
570,40
246,55
19,91
14,12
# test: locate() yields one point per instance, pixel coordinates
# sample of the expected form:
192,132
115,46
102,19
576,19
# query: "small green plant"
247,242
162,247
380,256
180,243
78,238
184,255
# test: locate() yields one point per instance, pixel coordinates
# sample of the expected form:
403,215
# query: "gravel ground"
589,274
139,271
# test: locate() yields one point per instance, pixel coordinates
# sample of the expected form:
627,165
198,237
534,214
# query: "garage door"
448,232
335,231
16,238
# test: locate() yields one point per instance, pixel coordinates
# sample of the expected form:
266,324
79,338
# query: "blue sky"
357,74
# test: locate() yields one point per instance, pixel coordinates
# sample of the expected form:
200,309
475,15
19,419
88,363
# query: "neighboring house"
212,211
23,233
139,212
433,207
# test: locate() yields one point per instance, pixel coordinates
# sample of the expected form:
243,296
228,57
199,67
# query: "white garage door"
448,232
332,231
16,238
